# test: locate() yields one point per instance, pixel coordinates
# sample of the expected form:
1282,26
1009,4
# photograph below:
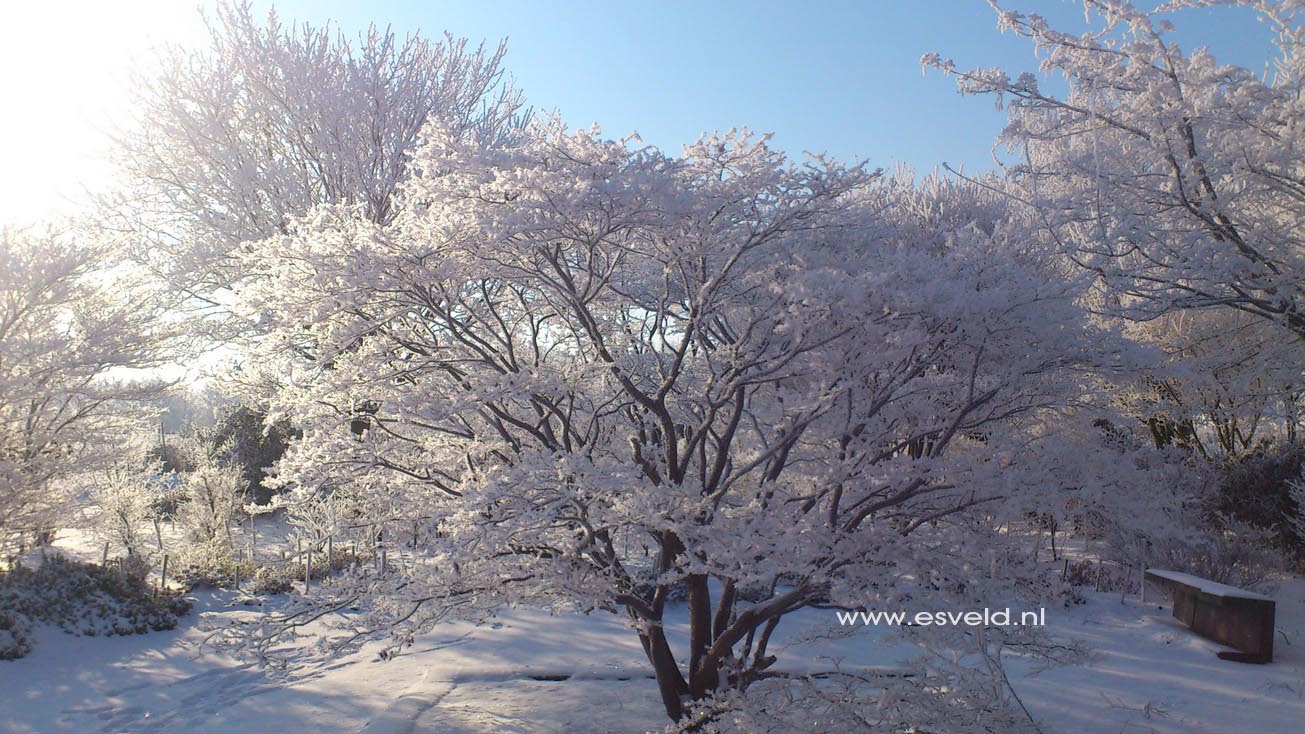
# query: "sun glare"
64,66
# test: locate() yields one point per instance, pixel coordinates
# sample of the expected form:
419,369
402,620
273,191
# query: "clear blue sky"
834,75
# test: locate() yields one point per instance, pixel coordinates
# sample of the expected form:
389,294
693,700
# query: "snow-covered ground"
1151,675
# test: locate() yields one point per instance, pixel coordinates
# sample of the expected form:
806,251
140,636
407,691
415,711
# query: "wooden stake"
163,578
308,570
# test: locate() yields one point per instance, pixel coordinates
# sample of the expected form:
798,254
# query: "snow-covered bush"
86,599
274,580
1231,553
15,635
214,493
1157,507
174,456
128,498
1257,490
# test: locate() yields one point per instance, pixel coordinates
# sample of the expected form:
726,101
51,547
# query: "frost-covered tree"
1230,383
1177,180
75,328
125,496
234,140
595,374
213,494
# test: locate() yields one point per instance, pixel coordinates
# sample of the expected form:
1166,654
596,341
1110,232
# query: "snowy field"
1149,675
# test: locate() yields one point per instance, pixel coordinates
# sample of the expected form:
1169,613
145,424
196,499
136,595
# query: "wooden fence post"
308,570
163,578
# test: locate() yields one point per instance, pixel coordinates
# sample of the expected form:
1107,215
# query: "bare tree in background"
233,141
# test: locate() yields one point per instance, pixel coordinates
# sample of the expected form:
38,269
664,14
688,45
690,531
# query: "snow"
1149,674
544,707
1152,674
1212,588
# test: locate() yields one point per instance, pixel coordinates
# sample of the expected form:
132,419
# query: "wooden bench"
1242,620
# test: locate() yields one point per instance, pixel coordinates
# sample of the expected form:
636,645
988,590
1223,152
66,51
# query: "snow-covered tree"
125,496
1230,382
233,141
1177,180
213,497
74,325
595,374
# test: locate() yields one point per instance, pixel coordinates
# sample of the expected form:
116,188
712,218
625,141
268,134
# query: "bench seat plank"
1213,588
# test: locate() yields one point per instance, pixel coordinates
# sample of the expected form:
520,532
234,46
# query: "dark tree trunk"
670,681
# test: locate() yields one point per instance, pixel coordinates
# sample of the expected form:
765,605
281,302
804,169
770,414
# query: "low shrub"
1238,559
213,571
15,635
82,599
